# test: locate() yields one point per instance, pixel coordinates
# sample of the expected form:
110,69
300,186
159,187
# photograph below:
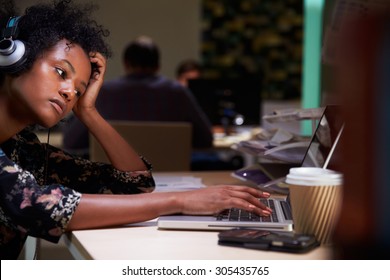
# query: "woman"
44,191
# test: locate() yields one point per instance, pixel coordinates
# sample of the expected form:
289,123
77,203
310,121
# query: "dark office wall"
174,24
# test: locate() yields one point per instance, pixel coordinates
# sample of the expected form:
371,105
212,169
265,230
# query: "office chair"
166,145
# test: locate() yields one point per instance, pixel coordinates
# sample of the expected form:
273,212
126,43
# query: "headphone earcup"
12,55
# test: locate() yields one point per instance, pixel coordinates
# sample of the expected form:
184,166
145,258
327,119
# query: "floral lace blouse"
41,187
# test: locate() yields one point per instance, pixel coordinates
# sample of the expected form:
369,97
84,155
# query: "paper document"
290,152
285,115
166,183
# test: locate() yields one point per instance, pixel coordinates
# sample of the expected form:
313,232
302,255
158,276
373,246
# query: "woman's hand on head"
212,200
87,101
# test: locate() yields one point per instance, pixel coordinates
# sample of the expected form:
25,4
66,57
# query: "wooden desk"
145,241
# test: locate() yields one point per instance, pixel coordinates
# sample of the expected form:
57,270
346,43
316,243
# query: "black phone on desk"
268,240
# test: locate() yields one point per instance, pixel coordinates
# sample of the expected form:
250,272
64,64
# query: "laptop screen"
324,138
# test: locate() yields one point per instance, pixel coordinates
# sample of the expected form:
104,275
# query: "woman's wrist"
174,203
89,117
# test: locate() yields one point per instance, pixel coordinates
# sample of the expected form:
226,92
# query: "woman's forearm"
96,211
111,210
121,155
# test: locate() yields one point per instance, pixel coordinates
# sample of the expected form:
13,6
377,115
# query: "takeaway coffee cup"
315,197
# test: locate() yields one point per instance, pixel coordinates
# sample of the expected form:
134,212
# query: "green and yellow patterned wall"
255,38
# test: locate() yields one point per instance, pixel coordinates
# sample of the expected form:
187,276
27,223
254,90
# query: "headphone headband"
11,29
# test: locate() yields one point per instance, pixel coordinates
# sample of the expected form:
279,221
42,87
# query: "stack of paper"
166,183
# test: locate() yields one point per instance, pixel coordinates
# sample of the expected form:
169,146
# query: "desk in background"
222,143
144,241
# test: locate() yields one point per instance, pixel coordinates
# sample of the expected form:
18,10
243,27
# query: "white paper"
166,183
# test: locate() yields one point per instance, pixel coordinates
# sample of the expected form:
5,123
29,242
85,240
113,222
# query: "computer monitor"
229,101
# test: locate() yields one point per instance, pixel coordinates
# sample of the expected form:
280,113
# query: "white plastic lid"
314,176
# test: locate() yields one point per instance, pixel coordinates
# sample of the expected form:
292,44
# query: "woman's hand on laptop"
212,200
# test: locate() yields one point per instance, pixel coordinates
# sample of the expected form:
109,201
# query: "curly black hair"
44,24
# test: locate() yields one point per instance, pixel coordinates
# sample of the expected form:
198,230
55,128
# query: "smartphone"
252,174
268,240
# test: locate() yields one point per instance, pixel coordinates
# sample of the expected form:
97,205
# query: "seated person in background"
142,94
187,70
190,69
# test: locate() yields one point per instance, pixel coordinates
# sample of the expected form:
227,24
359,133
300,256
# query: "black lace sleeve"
51,165
27,208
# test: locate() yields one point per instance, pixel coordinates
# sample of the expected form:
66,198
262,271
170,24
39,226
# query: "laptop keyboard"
286,210
235,214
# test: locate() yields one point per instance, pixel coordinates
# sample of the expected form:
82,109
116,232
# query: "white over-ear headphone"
12,51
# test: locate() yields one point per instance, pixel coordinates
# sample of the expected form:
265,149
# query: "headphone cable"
37,240
46,157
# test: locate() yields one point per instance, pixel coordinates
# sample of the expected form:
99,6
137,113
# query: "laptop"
316,154
319,154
